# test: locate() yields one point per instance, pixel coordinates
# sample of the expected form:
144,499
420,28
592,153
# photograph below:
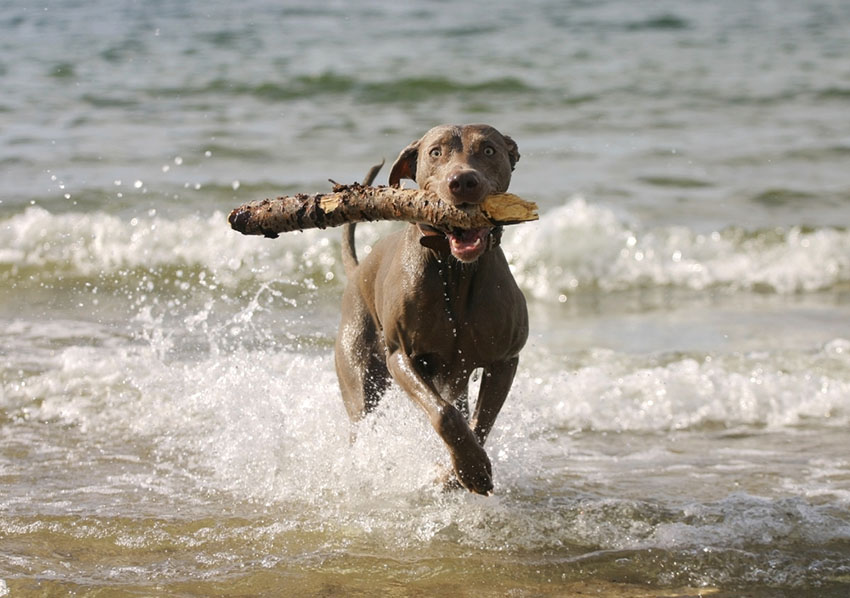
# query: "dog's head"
462,165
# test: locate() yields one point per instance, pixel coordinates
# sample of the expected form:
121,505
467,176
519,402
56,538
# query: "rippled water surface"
170,423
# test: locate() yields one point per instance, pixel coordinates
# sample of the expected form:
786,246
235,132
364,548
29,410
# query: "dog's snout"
465,186
461,181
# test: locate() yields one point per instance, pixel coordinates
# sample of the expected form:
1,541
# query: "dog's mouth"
468,245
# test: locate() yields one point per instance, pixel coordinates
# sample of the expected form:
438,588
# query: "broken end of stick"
507,208
239,219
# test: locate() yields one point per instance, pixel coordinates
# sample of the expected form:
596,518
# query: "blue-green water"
169,417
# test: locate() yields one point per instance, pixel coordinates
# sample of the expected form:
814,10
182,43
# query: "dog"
425,309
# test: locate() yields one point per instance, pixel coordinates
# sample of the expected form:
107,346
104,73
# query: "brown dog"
426,309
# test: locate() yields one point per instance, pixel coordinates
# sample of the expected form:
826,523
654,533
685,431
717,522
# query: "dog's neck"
438,242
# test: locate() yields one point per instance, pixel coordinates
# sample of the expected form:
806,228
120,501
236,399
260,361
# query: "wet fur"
426,321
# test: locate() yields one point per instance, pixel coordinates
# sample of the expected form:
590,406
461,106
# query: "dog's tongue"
467,245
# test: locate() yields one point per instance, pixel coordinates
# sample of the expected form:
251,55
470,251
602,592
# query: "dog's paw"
472,470
481,482
477,479
469,460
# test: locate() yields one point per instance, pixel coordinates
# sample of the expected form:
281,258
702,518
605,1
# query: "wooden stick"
359,203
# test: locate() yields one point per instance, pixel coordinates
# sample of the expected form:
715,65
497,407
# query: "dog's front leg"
495,386
470,462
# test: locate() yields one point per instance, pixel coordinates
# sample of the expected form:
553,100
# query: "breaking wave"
575,247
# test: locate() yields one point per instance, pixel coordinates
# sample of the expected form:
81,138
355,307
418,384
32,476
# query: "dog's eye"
489,151
436,152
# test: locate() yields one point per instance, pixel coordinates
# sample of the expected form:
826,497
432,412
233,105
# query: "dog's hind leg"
359,358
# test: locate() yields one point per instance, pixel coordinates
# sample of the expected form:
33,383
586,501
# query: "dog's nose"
465,186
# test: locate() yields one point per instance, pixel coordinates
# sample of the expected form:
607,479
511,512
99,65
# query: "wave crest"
574,247
580,246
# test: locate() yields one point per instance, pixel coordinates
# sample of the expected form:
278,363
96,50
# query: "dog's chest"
469,320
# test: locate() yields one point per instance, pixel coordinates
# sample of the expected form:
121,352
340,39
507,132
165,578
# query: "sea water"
170,422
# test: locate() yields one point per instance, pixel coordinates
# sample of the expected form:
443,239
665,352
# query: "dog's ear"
513,150
404,166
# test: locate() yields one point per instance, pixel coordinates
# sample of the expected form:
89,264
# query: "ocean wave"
617,392
665,22
148,391
334,84
579,245
268,427
251,422
575,247
39,245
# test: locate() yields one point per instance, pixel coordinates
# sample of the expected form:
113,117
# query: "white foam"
580,245
96,244
257,421
268,427
575,246
620,392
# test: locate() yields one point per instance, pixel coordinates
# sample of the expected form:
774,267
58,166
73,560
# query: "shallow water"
169,417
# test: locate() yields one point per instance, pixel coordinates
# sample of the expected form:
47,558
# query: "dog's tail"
349,251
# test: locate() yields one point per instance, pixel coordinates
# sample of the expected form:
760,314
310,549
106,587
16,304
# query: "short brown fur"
426,319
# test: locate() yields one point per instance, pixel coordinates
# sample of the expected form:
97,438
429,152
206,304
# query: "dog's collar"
438,242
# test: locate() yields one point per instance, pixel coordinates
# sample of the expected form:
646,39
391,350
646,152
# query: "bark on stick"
359,203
